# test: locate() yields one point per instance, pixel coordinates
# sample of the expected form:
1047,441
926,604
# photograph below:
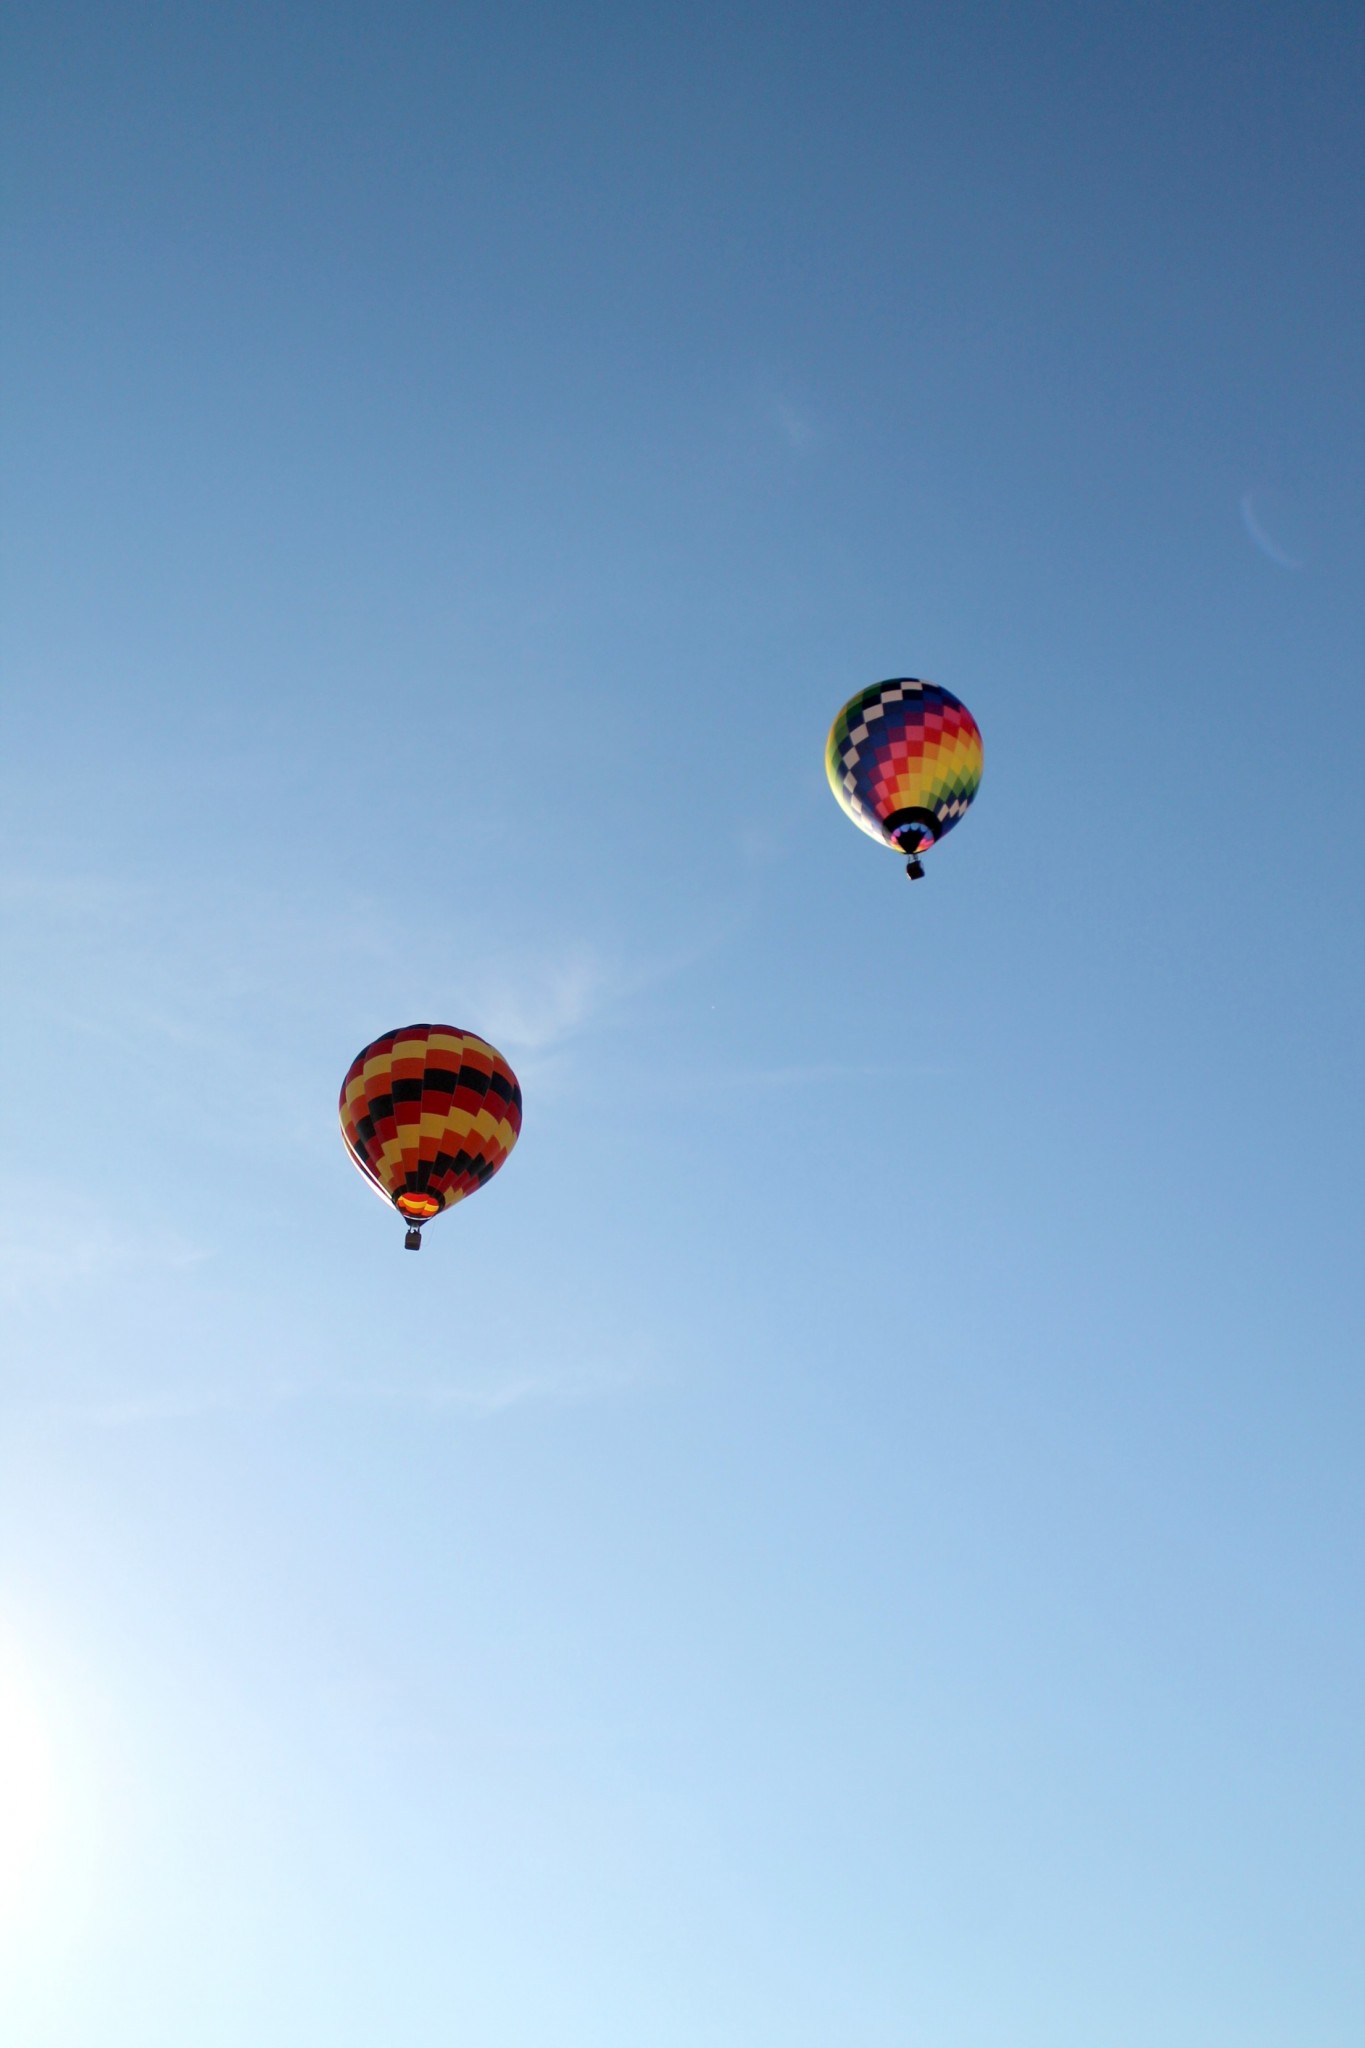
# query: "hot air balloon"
904,760
428,1115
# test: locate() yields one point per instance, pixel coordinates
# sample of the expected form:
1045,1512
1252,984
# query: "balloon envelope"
904,760
429,1114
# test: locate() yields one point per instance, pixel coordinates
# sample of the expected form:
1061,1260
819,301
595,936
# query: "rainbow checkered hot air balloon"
429,1114
904,760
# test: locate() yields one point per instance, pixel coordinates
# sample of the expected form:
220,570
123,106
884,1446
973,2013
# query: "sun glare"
26,1778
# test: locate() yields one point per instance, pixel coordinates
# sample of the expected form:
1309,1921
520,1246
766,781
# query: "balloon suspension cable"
413,1241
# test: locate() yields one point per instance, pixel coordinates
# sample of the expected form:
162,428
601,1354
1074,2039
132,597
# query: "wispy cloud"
1264,517
787,410
487,1396
167,1404
69,896
497,1393
538,1003
822,1073
151,968
52,1241
794,423
814,1078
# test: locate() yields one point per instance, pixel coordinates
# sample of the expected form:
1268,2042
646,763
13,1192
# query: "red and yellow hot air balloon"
429,1114
904,760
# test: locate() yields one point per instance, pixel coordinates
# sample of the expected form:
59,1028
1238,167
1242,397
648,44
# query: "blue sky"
855,1535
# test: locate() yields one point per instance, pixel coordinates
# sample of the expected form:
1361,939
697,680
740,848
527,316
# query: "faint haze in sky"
1265,515
854,1536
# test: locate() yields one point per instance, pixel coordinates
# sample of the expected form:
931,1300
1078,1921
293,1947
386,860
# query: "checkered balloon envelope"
429,1114
904,761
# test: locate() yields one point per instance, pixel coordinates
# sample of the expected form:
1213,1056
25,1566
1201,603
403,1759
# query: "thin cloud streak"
120,984
47,1245
489,1398
1262,539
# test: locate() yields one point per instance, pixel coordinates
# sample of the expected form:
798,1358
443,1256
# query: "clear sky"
854,1538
